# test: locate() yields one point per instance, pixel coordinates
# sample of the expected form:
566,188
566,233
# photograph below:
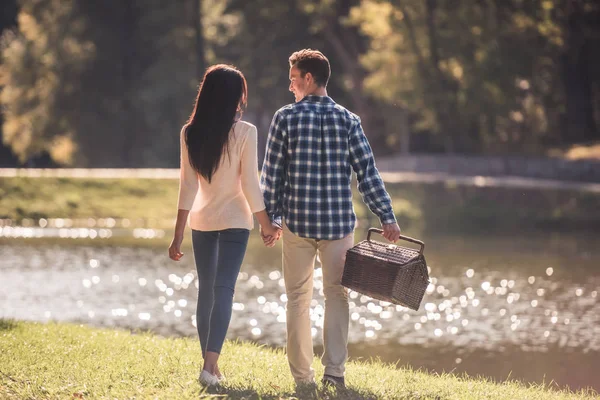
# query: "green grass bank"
422,207
65,361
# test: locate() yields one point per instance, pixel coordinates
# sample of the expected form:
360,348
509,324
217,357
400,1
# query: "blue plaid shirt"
312,148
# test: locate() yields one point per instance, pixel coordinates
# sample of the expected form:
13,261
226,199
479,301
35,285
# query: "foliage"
486,76
93,96
42,65
111,83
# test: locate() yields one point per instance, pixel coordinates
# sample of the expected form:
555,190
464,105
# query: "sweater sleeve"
188,177
249,174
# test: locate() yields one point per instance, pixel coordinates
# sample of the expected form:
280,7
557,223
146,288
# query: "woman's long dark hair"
222,94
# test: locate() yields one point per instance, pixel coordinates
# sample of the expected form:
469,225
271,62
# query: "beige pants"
298,265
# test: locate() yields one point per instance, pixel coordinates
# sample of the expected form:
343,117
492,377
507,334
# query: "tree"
47,51
481,76
580,70
143,78
197,22
258,36
111,83
8,20
93,96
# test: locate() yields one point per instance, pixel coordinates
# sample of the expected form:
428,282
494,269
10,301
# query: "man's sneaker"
208,379
336,381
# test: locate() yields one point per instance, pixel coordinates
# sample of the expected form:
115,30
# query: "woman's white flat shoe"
208,379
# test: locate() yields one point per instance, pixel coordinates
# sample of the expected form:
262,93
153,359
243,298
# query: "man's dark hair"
313,61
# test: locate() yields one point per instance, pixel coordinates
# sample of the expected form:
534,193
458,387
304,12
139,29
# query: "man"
312,148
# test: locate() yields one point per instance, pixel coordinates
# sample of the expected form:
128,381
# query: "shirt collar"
311,98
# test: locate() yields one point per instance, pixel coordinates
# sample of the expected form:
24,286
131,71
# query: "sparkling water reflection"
533,297
85,228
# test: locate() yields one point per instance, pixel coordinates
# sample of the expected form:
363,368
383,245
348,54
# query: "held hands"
270,234
175,253
391,232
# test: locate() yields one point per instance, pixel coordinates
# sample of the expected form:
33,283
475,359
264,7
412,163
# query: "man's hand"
270,239
391,232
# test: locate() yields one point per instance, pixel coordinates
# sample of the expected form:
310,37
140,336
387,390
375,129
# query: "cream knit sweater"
234,192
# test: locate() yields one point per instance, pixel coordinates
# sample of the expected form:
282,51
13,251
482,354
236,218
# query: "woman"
219,191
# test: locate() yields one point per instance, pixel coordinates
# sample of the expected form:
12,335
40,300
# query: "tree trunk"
199,34
581,125
352,69
444,92
8,19
128,73
345,43
404,132
430,73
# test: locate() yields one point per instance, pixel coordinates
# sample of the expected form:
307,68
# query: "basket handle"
408,239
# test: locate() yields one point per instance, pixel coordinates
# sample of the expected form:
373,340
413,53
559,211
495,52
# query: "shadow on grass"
318,393
7,325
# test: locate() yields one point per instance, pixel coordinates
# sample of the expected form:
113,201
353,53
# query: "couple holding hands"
304,197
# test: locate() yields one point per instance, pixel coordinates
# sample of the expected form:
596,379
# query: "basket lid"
390,253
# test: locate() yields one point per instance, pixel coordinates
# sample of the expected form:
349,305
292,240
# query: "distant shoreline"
391,177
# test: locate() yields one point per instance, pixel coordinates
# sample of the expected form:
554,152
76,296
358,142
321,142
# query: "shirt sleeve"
273,170
188,178
249,167
370,184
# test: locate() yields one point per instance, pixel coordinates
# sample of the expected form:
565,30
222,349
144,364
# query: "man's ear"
309,78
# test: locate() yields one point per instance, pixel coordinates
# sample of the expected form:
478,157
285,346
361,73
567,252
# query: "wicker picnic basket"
387,272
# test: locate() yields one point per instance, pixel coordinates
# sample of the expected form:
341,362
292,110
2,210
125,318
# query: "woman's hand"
270,234
175,253
175,248
269,231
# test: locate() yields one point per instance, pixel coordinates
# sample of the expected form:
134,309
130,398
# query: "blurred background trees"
109,84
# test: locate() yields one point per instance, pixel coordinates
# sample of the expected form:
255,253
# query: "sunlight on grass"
583,152
72,361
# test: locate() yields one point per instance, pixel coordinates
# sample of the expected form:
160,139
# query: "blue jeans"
218,256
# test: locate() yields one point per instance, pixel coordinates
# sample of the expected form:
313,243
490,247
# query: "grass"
419,207
135,199
584,151
64,361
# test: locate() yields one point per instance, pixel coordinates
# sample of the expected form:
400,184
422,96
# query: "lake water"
524,307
